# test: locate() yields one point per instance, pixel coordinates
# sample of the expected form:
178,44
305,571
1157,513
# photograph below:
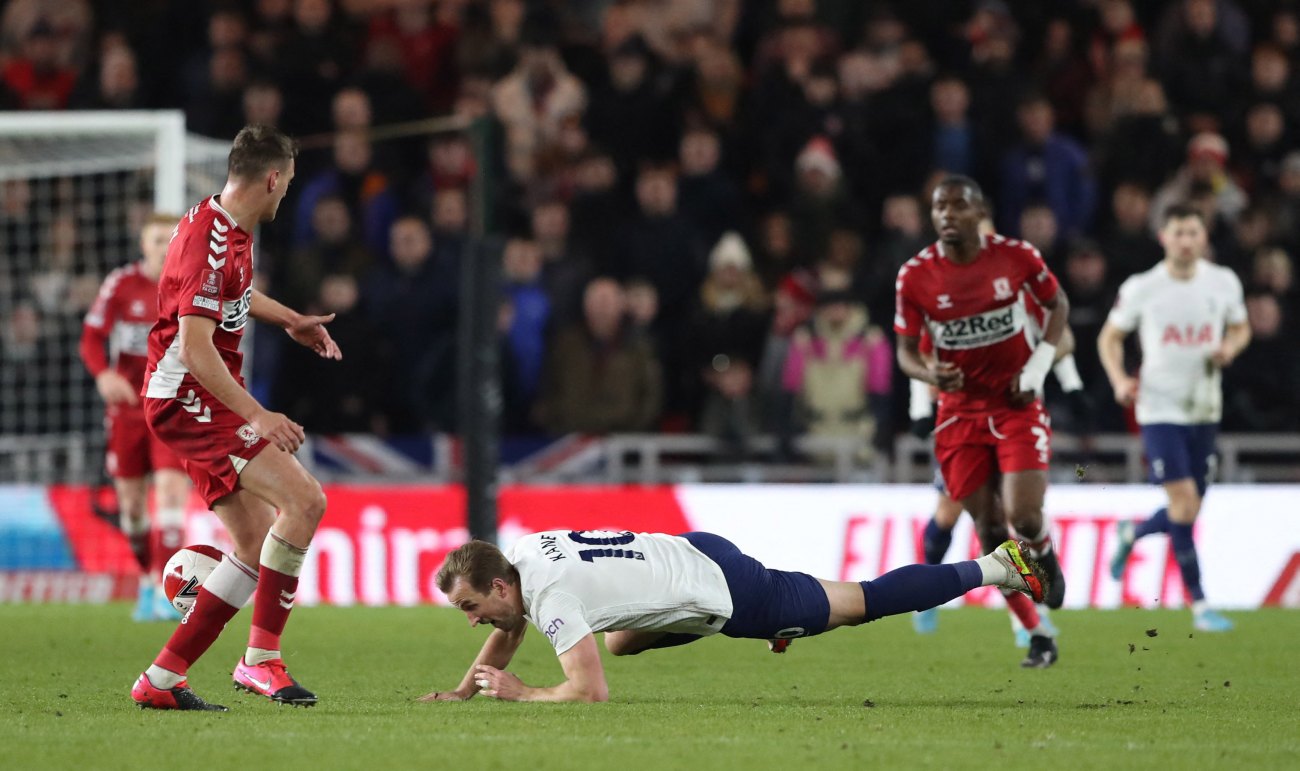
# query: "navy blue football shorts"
1177,452
766,604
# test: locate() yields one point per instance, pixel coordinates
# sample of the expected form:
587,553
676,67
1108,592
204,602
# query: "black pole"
479,384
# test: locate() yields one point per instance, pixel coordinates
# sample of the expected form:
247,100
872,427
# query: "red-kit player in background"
965,290
238,454
115,348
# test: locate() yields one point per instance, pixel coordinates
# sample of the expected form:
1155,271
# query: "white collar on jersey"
224,213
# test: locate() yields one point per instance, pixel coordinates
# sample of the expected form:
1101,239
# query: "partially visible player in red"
965,290
238,454
114,348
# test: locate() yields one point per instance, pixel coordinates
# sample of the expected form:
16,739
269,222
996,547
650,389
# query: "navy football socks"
935,542
1156,523
919,587
1180,537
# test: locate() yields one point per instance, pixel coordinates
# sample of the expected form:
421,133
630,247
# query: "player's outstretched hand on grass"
444,696
310,332
278,429
498,683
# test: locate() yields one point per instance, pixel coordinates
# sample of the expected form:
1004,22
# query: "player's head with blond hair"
262,161
155,235
479,563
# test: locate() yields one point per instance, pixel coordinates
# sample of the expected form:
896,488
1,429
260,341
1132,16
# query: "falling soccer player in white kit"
1191,320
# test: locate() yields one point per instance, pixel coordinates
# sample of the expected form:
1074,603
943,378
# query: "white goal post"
74,189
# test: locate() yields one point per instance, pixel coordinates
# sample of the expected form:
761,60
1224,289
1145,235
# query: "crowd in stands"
704,203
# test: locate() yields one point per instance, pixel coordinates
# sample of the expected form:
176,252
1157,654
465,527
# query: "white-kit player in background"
1191,321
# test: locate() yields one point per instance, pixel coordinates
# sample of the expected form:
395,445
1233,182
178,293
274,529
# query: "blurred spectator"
1062,74
792,305
345,395
263,103
533,102
601,376
115,85
1121,78
1046,166
490,42
566,269
1207,157
597,210
1259,387
632,111
450,215
1198,45
1086,279
997,81
709,198
413,305
426,34
775,255
718,85
1271,80
820,202
216,105
24,353
957,145
642,304
903,232
1038,227
526,337
725,340
313,60
1273,272
660,244
836,364
1285,205
1143,143
1264,141
37,77
365,190
1128,242
333,250
350,110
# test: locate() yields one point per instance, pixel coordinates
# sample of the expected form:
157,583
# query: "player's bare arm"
199,355
1110,349
1235,339
497,652
1030,383
946,376
307,331
114,389
583,672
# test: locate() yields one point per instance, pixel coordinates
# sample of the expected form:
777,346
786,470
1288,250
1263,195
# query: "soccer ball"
185,573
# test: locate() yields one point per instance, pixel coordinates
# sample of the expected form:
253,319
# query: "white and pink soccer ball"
186,571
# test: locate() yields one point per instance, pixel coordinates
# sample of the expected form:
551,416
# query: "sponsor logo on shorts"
207,303
247,435
980,330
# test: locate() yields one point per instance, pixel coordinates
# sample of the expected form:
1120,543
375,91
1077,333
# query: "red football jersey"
975,314
209,272
115,332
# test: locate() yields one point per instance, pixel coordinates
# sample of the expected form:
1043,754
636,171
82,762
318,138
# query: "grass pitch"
877,696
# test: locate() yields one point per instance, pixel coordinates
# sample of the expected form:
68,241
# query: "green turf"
877,695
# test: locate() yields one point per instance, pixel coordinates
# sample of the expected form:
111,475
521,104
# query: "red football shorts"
132,450
969,447
212,442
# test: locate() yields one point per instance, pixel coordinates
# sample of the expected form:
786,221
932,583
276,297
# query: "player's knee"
312,502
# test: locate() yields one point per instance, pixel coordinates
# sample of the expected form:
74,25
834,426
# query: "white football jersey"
1180,323
578,582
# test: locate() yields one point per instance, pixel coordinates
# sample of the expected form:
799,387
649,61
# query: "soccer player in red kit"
965,290
238,454
114,348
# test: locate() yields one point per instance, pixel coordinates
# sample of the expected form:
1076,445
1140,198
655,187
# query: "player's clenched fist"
947,376
278,429
1126,390
498,683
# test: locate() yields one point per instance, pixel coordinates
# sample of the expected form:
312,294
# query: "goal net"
74,191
